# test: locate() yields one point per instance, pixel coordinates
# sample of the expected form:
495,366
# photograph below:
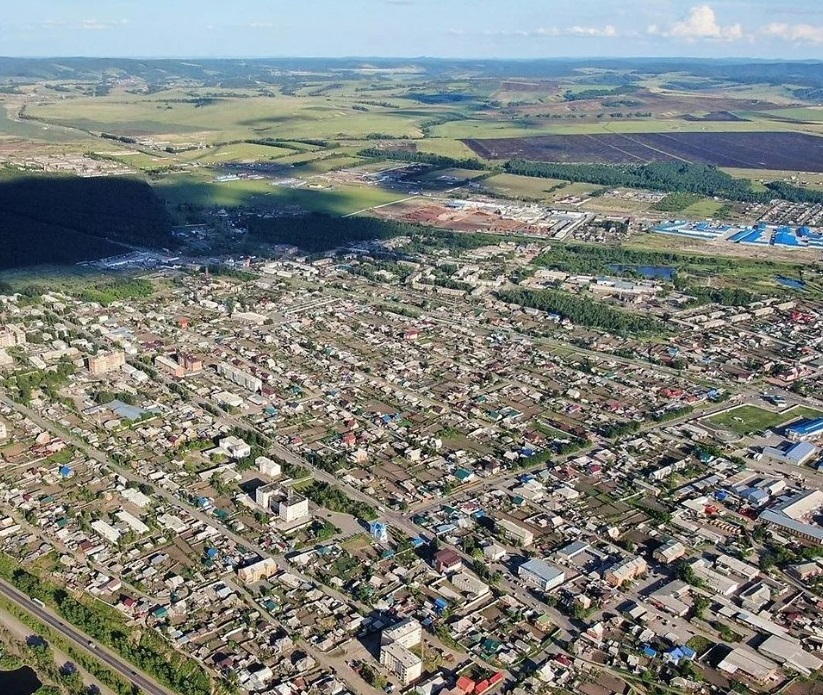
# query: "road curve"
116,663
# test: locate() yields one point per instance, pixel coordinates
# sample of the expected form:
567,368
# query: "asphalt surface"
82,640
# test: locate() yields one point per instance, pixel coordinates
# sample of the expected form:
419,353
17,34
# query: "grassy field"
701,210
176,118
540,189
748,419
201,190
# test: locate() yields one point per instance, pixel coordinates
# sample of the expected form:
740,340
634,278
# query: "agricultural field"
794,151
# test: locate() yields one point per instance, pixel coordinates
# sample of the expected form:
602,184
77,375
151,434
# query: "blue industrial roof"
807,427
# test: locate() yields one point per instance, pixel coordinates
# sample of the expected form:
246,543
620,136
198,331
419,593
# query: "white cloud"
700,24
84,24
795,32
605,32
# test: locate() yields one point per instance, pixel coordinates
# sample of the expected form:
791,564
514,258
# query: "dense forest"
674,177
316,233
583,311
592,260
437,160
64,219
25,242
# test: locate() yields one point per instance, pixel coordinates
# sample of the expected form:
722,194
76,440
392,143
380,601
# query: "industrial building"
294,507
795,454
805,429
793,513
290,506
541,575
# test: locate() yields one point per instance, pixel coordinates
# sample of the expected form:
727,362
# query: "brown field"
748,150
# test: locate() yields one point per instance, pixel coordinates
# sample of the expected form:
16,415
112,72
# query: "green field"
748,419
200,190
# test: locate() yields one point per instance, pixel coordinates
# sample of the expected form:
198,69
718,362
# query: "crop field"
756,150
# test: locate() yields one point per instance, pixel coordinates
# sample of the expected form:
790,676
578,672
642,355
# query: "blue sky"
410,28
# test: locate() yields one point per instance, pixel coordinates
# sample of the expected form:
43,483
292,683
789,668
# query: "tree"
701,603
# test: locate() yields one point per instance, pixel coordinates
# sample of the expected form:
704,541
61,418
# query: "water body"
21,681
791,283
647,271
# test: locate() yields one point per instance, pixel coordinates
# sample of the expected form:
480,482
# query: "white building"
235,447
407,633
239,377
268,467
107,531
265,495
541,575
293,508
396,643
404,664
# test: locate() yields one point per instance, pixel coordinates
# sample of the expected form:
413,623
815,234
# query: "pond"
791,283
647,271
21,681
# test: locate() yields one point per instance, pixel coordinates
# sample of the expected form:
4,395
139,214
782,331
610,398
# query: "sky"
413,28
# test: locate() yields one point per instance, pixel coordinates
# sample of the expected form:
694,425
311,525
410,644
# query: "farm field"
792,151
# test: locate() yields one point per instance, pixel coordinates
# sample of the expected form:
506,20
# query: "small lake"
791,283
647,271
21,681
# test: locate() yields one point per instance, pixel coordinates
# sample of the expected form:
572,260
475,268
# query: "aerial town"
329,370
301,474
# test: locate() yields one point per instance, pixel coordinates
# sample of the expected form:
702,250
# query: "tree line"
583,311
674,177
437,160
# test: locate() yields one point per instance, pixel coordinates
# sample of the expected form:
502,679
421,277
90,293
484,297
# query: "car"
92,644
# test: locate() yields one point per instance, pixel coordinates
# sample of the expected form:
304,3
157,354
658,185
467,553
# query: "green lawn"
747,419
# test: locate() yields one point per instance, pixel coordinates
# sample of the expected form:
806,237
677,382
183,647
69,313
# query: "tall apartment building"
170,366
293,508
105,362
396,644
240,377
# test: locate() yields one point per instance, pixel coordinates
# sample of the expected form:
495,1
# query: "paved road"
111,660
